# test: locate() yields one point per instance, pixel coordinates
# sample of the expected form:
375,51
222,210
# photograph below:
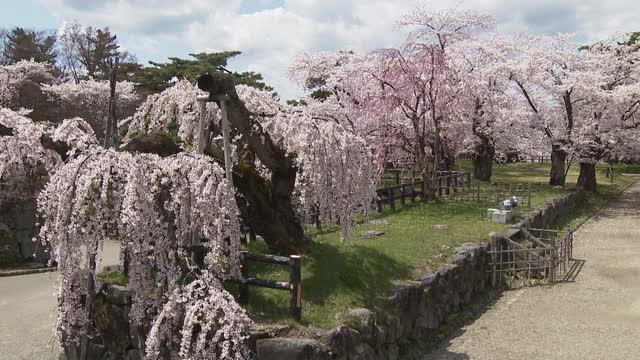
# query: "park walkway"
597,317
27,313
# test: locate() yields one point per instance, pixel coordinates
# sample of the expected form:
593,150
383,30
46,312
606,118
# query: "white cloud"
270,39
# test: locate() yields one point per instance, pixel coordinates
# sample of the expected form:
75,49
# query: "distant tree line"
80,52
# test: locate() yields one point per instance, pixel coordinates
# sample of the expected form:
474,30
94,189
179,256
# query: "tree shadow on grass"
359,271
353,276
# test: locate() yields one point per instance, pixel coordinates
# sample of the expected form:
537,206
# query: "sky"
271,33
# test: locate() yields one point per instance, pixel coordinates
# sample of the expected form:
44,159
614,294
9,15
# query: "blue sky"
271,33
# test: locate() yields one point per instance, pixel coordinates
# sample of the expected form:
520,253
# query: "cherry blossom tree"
89,99
20,87
287,160
157,207
488,108
572,97
404,100
23,160
543,71
609,90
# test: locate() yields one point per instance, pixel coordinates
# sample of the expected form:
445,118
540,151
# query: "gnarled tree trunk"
483,160
270,212
558,158
587,177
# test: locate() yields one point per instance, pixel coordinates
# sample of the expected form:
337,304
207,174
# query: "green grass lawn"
338,274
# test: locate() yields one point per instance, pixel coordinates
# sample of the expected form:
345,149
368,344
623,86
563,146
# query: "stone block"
372,234
393,328
428,278
291,349
363,321
118,295
490,212
501,216
341,340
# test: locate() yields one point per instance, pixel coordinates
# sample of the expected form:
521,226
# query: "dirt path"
597,317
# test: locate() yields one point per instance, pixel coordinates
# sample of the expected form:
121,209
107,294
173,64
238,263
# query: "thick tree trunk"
483,160
587,178
266,213
447,159
278,223
558,158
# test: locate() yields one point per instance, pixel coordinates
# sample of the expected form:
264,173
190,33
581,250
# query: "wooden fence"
494,194
294,285
542,259
447,183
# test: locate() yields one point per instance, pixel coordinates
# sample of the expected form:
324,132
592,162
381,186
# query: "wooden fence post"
397,177
403,194
295,294
529,196
243,294
392,199
413,191
447,184
478,192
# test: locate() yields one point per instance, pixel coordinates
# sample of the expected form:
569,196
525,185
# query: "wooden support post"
228,165
529,196
610,171
456,182
447,185
439,186
243,293
403,194
392,199
413,191
379,202
295,291
397,177
203,127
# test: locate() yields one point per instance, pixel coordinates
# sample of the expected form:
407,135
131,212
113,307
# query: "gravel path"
596,317
27,313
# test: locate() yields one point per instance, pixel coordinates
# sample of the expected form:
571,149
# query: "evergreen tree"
27,44
160,76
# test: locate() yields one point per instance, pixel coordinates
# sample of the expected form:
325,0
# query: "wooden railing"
543,256
447,182
452,182
294,286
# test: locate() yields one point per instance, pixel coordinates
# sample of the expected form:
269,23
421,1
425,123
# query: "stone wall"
20,219
9,251
410,317
548,216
